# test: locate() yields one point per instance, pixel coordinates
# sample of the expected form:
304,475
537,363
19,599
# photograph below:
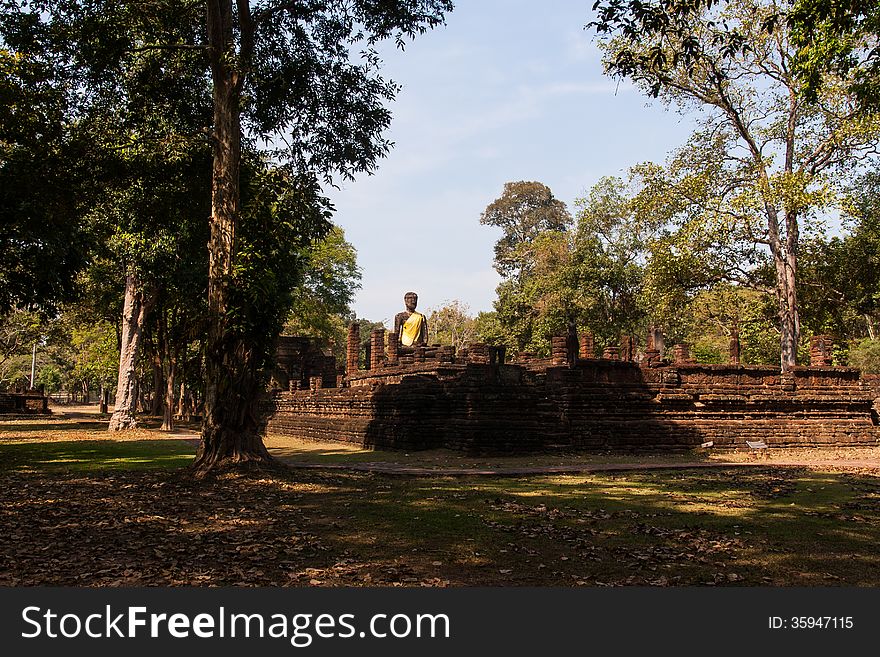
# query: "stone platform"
586,403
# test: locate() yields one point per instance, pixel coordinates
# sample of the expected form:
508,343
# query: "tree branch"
170,46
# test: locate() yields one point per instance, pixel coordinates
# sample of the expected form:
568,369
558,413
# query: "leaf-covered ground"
98,512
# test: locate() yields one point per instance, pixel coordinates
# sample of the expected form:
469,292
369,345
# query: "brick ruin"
473,400
301,364
26,402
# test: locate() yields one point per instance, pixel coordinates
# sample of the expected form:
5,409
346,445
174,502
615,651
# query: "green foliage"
838,38
80,349
840,276
665,27
590,274
715,313
537,304
866,356
304,81
524,212
282,215
96,355
763,164
627,265
50,377
19,331
611,249
488,329
321,304
43,187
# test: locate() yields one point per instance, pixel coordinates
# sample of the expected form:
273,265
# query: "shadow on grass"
774,526
295,450
107,521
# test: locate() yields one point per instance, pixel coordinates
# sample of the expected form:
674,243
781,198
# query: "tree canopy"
524,211
282,96
765,160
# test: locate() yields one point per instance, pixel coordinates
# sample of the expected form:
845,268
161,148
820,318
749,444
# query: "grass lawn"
95,455
98,512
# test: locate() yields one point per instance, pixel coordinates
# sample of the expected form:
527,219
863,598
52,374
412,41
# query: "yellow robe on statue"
411,329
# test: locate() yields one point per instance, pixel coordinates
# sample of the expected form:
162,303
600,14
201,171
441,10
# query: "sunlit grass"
91,455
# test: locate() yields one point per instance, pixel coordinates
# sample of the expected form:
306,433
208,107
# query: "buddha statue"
411,327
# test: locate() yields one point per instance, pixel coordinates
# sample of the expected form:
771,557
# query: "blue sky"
508,90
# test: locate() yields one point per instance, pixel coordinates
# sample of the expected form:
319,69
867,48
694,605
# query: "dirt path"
398,469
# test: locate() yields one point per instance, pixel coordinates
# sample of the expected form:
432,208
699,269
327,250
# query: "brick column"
353,349
611,352
821,347
558,350
377,348
681,353
587,346
392,358
627,348
734,350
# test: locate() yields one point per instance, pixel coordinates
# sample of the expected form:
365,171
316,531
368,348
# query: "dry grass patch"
107,513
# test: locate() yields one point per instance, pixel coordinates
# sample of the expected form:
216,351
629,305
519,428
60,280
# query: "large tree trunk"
168,412
170,358
158,393
789,320
231,431
134,312
158,380
182,404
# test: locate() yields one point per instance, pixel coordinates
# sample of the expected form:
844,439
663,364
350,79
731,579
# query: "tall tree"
611,251
524,211
154,216
533,247
538,301
300,78
840,284
589,274
292,62
777,152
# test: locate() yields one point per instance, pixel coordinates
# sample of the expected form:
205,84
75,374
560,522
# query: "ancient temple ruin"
24,402
475,400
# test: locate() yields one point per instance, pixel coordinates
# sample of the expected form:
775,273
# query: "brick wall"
478,407
23,403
